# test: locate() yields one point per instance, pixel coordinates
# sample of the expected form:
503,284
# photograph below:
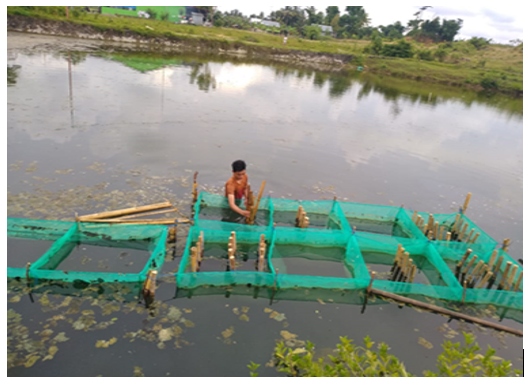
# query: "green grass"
464,65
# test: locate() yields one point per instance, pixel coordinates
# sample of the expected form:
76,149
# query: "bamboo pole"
441,233
444,311
485,279
28,279
298,215
463,260
431,221
492,258
496,271
465,207
518,282
302,219
148,214
122,212
435,230
149,221
509,283
468,238
506,244
430,235
414,218
425,229
505,275
475,238
412,274
418,220
395,269
306,222
234,241
261,260
407,270
405,260
465,284
448,236
477,268
468,266
172,234
461,237
255,210
193,257
194,188
231,260
455,224
148,288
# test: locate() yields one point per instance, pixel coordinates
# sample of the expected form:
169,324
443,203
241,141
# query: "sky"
494,20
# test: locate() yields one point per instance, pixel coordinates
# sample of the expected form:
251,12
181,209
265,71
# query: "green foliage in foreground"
351,360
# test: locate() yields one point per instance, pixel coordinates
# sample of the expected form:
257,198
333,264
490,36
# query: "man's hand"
245,213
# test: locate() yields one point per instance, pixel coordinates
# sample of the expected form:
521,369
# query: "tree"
332,11
292,16
449,29
312,32
313,17
354,20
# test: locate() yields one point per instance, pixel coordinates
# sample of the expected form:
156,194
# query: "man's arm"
234,207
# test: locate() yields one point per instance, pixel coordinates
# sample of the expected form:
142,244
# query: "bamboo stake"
496,271
298,215
234,242
430,235
484,280
468,266
414,218
126,211
412,274
465,207
463,260
231,260
444,311
454,227
407,270
172,234
302,219
465,284
431,221
306,222
461,237
28,265
448,236
509,283
261,260
418,220
425,229
505,275
193,251
468,238
255,210
148,289
405,260
435,230
518,283
441,233
506,244
475,238
476,272
492,258
194,188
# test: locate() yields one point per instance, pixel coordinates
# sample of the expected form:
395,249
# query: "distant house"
255,20
325,29
272,24
197,19
172,14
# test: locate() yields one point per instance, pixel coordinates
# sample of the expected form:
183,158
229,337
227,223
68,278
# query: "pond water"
92,132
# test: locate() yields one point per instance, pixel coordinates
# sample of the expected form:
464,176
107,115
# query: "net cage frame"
67,235
356,242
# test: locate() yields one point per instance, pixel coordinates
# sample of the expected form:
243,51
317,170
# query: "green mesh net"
335,255
68,236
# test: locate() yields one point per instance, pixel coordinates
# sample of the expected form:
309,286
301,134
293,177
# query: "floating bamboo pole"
518,282
122,212
150,221
148,214
509,283
255,209
444,311
505,275
465,207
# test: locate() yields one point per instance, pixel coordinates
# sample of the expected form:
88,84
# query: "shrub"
425,55
402,49
351,360
479,42
165,16
489,84
152,13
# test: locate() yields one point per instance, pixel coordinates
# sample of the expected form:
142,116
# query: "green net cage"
67,237
344,243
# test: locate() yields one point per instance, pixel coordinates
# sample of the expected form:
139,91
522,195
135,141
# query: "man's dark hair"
239,165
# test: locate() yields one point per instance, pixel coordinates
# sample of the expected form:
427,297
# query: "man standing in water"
237,186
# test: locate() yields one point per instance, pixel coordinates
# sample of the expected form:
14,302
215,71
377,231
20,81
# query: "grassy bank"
496,67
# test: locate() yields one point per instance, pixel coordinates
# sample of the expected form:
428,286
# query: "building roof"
270,23
325,28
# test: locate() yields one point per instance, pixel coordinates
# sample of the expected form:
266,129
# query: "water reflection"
12,74
201,74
